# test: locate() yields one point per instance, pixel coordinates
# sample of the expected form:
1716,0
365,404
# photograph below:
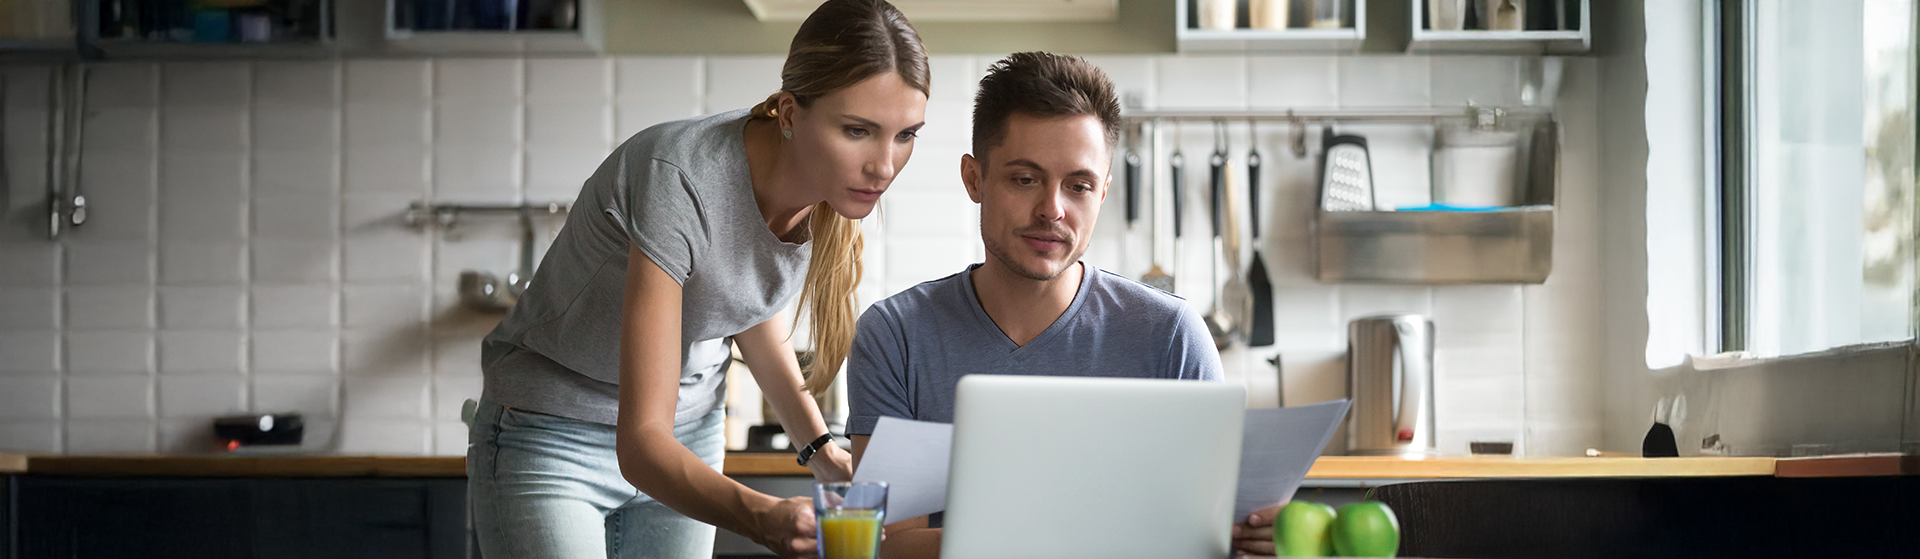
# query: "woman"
599,431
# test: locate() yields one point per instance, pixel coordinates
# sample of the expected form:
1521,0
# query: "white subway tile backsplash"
296,128
385,437
120,193
370,126
476,174
279,173
109,352
308,217
277,307
204,129
31,437
578,126
115,436
1480,80
294,352
390,398
394,169
911,261
189,436
206,84
308,395
479,79
120,130
29,308
117,263
1384,81
570,80
1291,82
478,124
297,84
450,392
557,174
30,353
200,351
1479,314
1201,82
202,396
659,80
384,352
285,276
202,263
123,85
932,215
278,261
739,82
36,264
188,308
1357,301
110,397
449,438
34,398
389,81
110,307
384,305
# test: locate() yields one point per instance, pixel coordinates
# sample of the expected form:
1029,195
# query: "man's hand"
786,528
1255,536
831,464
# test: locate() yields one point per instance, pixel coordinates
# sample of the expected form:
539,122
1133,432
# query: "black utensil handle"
1217,190
1179,190
1133,186
1253,191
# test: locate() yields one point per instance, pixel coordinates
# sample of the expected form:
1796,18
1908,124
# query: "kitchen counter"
781,464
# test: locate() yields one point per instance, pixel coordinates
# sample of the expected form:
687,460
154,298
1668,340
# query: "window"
1816,174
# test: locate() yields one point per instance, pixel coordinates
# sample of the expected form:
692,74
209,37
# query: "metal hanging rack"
1300,118
421,214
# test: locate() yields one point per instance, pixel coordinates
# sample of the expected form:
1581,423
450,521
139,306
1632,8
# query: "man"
1044,131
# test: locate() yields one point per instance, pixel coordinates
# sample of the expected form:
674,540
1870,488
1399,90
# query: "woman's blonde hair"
841,44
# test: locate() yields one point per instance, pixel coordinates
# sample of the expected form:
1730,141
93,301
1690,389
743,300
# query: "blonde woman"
599,431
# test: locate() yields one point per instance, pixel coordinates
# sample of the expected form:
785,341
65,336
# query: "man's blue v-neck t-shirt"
911,349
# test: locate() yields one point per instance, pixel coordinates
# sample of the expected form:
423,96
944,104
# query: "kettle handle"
1413,383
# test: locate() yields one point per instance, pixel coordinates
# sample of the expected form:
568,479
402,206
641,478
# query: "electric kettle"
1390,379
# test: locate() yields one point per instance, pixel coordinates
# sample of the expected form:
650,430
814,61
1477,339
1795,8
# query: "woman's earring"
788,134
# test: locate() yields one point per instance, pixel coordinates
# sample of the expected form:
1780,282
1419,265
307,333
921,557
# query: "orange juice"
850,534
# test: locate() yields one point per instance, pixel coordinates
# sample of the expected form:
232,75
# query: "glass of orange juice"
847,518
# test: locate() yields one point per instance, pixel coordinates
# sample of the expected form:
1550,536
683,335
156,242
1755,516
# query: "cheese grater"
1346,176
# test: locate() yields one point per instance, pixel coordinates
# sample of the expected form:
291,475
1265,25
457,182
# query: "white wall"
246,251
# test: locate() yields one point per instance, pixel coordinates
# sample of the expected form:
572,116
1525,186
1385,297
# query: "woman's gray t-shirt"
681,192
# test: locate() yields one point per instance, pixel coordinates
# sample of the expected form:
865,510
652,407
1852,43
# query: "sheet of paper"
911,456
1277,449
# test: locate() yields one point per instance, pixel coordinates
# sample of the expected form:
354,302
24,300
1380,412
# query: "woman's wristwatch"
806,452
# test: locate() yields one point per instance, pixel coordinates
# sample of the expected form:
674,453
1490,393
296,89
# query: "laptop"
1063,467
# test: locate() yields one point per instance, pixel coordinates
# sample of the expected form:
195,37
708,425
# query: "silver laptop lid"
1057,467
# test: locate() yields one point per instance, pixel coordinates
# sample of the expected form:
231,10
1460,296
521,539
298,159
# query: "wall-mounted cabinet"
205,28
493,26
1501,26
1282,26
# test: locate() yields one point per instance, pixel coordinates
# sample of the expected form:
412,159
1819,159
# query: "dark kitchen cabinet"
237,518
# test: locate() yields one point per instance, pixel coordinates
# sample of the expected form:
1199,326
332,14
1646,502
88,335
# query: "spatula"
1261,321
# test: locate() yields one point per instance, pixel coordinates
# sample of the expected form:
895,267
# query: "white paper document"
1277,449
911,456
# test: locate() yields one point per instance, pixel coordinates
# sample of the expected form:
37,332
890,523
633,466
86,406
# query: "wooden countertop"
781,464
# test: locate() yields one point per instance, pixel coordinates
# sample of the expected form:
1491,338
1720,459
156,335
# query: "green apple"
1301,530
1366,529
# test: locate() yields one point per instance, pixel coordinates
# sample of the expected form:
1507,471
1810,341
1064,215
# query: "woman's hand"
831,464
786,528
1255,536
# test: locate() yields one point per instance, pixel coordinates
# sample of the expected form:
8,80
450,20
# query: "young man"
1044,131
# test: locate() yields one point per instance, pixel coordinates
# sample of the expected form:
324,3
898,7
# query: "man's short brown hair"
1044,85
